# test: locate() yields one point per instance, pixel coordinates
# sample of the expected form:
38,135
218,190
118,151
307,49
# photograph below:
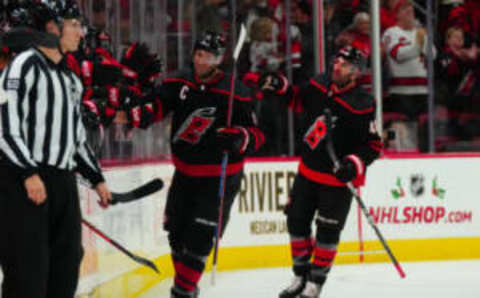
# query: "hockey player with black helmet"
320,191
198,100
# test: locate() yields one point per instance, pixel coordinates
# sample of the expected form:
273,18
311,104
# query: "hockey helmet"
65,9
18,34
94,39
354,56
212,42
41,14
18,15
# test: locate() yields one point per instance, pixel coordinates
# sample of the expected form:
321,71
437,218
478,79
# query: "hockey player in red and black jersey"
319,191
198,100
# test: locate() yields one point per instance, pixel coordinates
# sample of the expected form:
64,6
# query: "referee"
42,143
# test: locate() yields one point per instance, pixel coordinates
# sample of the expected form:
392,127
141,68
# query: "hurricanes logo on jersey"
195,126
316,133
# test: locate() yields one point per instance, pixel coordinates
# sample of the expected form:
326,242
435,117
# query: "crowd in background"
347,22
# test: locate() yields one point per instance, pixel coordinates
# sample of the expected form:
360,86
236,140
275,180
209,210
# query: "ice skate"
297,286
311,290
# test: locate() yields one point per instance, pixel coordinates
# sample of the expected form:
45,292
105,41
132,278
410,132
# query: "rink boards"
427,208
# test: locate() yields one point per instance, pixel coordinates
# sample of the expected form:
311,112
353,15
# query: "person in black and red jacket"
198,100
457,65
319,190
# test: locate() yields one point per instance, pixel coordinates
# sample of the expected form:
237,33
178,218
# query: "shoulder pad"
358,101
243,90
181,77
320,82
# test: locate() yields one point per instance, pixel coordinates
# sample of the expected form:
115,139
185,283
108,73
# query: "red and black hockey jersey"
353,133
198,109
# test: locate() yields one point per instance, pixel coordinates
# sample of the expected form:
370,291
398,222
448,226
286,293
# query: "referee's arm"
87,164
15,84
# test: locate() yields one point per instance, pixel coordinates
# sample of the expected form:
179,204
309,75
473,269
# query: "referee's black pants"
40,246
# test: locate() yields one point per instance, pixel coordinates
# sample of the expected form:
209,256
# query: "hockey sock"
301,249
188,271
323,256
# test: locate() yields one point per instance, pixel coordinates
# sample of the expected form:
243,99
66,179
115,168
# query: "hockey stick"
223,173
336,164
140,192
134,257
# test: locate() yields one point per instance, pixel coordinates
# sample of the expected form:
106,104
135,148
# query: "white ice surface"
454,279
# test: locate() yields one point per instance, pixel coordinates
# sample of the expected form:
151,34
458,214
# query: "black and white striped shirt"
40,119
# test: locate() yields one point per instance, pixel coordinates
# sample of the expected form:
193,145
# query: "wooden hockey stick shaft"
363,207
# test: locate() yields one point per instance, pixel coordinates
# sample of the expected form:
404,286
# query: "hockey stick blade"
145,262
137,193
117,245
240,42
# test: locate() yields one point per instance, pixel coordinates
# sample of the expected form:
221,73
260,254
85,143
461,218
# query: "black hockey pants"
40,246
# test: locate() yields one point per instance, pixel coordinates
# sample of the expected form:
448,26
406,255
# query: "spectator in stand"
457,76
387,15
264,55
338,15
459,17
358,31
250,10
455,69
265,58
463,14
302,19
212,16
444,9
357,35
406,47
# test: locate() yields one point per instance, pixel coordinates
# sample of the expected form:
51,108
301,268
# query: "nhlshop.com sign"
407,198
418,214
434,197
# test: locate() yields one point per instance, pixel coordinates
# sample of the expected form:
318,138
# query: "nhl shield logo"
417,186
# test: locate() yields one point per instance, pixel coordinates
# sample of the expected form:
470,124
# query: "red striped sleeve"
258,136
352,109
179,80
237,97
395,49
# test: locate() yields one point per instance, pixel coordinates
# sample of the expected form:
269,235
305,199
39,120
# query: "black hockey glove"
346,172
139,59
106,95
141,116
150,73
233,139
96,109
95,113
105,74
130,97
271,82
136,56
90,115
